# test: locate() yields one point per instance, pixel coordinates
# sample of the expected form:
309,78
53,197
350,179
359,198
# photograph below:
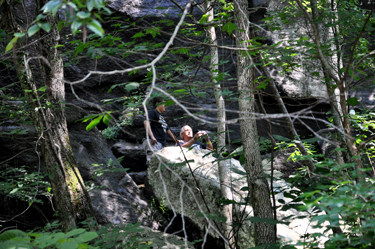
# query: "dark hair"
156,100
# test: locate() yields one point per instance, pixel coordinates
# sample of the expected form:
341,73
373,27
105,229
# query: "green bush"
111,132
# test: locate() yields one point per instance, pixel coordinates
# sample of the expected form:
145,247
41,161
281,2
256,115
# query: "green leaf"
180,91
75,26
281,138
107,119
19,35
86,237
60,25
33,29
73,5
94,123
238,171
137,35
352,101
67,244
168,103
90,4
83,15
229,27
10,234
131,86
46,27
203,19
87,118
11,43
75,232
54,4
96,27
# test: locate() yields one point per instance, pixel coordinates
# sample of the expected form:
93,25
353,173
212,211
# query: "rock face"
154,8
173,180
117,199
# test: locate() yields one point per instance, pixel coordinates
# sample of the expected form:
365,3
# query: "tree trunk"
224,172
258,185
71,198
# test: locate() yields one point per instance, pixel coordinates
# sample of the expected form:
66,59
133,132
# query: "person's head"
186,133
158,104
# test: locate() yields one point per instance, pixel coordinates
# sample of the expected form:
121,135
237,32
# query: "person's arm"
148,127
170,134
209,144
208,141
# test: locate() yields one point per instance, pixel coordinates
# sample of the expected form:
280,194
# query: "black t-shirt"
158,126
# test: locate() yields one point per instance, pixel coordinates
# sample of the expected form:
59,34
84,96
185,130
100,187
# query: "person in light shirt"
189,140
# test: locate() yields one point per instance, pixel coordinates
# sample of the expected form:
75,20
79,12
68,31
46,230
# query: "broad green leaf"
19,35
33,29
94,123
229,27
46,27
86,237
352,101
40,16
112,87
83,14
99,4
83,246
238,171
203,19
131,86
96,27
107,119
139,34
73,5
60,25
281,138
90,4
168,103
75,26
68,245
11,43
9,234
180,91
75,232
54,4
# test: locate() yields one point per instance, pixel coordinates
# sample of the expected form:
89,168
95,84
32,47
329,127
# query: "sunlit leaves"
11,44
96,27
229,27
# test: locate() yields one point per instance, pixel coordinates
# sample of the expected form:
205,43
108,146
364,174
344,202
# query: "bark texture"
258,185
224,172
48,116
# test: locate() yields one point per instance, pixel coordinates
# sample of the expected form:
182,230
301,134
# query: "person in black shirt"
157,127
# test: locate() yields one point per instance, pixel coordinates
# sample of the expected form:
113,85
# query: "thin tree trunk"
340,83
224,172
258,185
289,121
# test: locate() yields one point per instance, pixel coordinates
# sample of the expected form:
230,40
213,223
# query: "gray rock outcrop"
172,179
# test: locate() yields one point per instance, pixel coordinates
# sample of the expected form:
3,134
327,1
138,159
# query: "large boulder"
174,180
115,197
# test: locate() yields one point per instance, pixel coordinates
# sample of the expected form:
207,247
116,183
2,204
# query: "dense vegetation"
332,46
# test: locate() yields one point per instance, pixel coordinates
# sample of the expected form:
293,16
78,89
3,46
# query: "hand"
203,134
196,136
154,141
